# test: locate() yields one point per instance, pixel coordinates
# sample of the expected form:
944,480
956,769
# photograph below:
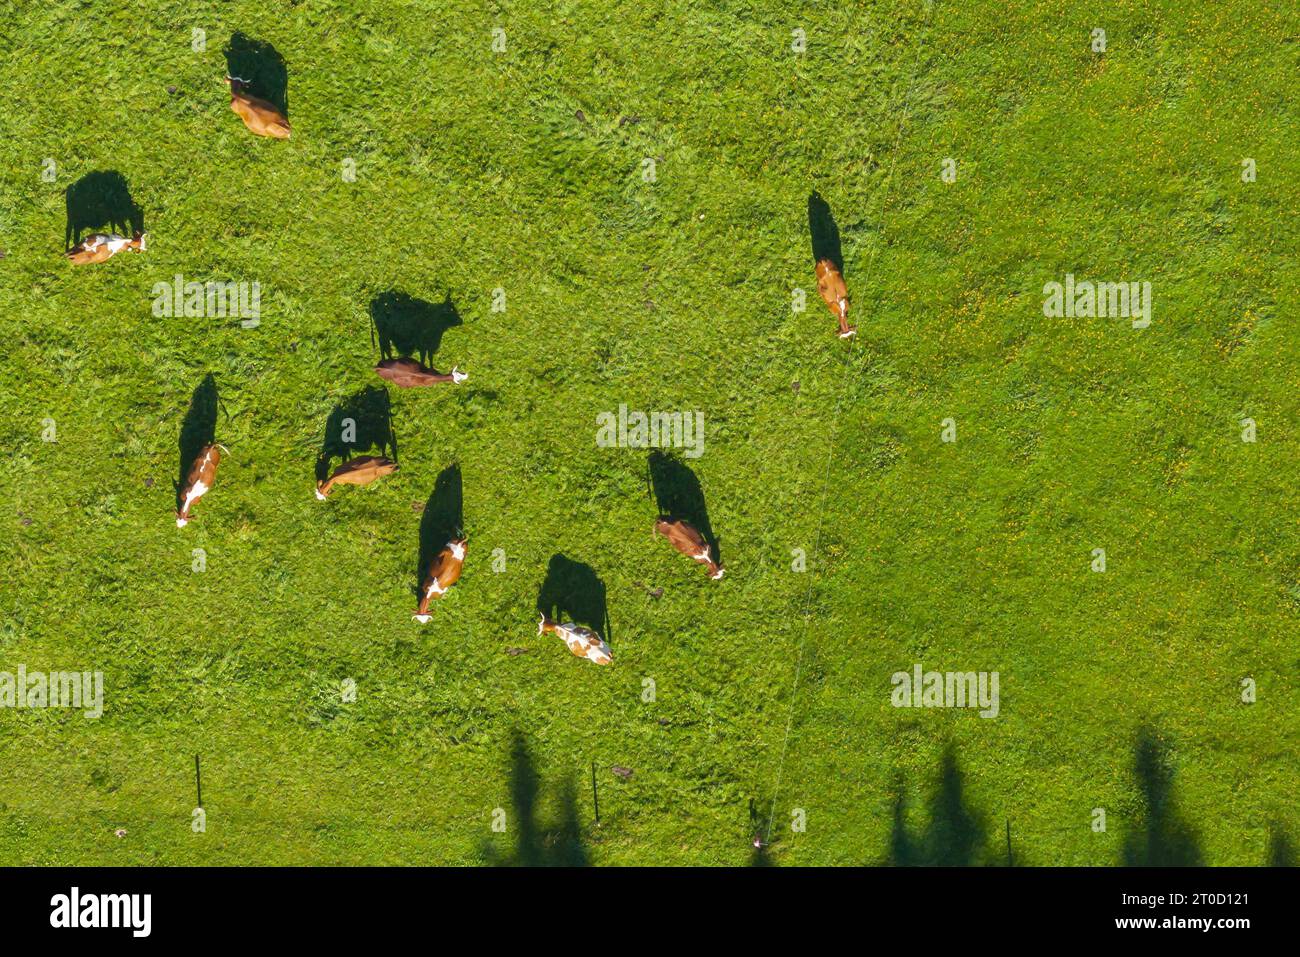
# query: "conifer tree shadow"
443,518
1163,839
261,65
100,201
678,495
825,234
903,851
572,590
360,422
198,429
760,856
539,845
407,326
954,835
1281,853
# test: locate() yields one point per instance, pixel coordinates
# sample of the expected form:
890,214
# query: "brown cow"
359,471
684,537
198,482
830,284
407,373
259,115
444,571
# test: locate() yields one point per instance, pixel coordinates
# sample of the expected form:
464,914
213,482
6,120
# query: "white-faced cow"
582,642
101,247
830,284
444,571
362,470
408,373
684,537
197,482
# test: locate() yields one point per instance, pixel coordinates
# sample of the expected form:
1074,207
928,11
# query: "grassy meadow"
617,209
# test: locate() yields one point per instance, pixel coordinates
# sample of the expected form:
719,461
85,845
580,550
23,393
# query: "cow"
261,116
198,482
359,471
100,247
408,373
583,642
684,537
444,571
830,284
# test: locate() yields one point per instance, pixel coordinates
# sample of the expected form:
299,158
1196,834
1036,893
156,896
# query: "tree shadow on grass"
261,65
760,855
361,421
574,591
954,836
677,494
100,201
198,429
1162,839
407,326
823,231
443,519
537,844
1281,853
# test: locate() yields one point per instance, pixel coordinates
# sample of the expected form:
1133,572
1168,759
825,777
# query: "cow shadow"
678,495
954,835
823,231
100,200
1163,838
538,844
574,591
198,429
407,326
361,421
261,66
443,518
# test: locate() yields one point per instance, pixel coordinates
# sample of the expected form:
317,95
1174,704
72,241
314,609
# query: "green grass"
1119,690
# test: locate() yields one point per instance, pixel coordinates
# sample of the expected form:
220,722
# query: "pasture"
607,204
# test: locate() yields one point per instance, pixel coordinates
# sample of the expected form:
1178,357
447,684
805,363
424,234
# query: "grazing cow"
444,571
359,471
100,247
830,284
684,537
198,482
259,115
407,373
583,642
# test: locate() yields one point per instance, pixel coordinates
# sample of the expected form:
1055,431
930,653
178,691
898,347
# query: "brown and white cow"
362,470
101,247
684,537
582,641
830,284
198,482
444,571
407,373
